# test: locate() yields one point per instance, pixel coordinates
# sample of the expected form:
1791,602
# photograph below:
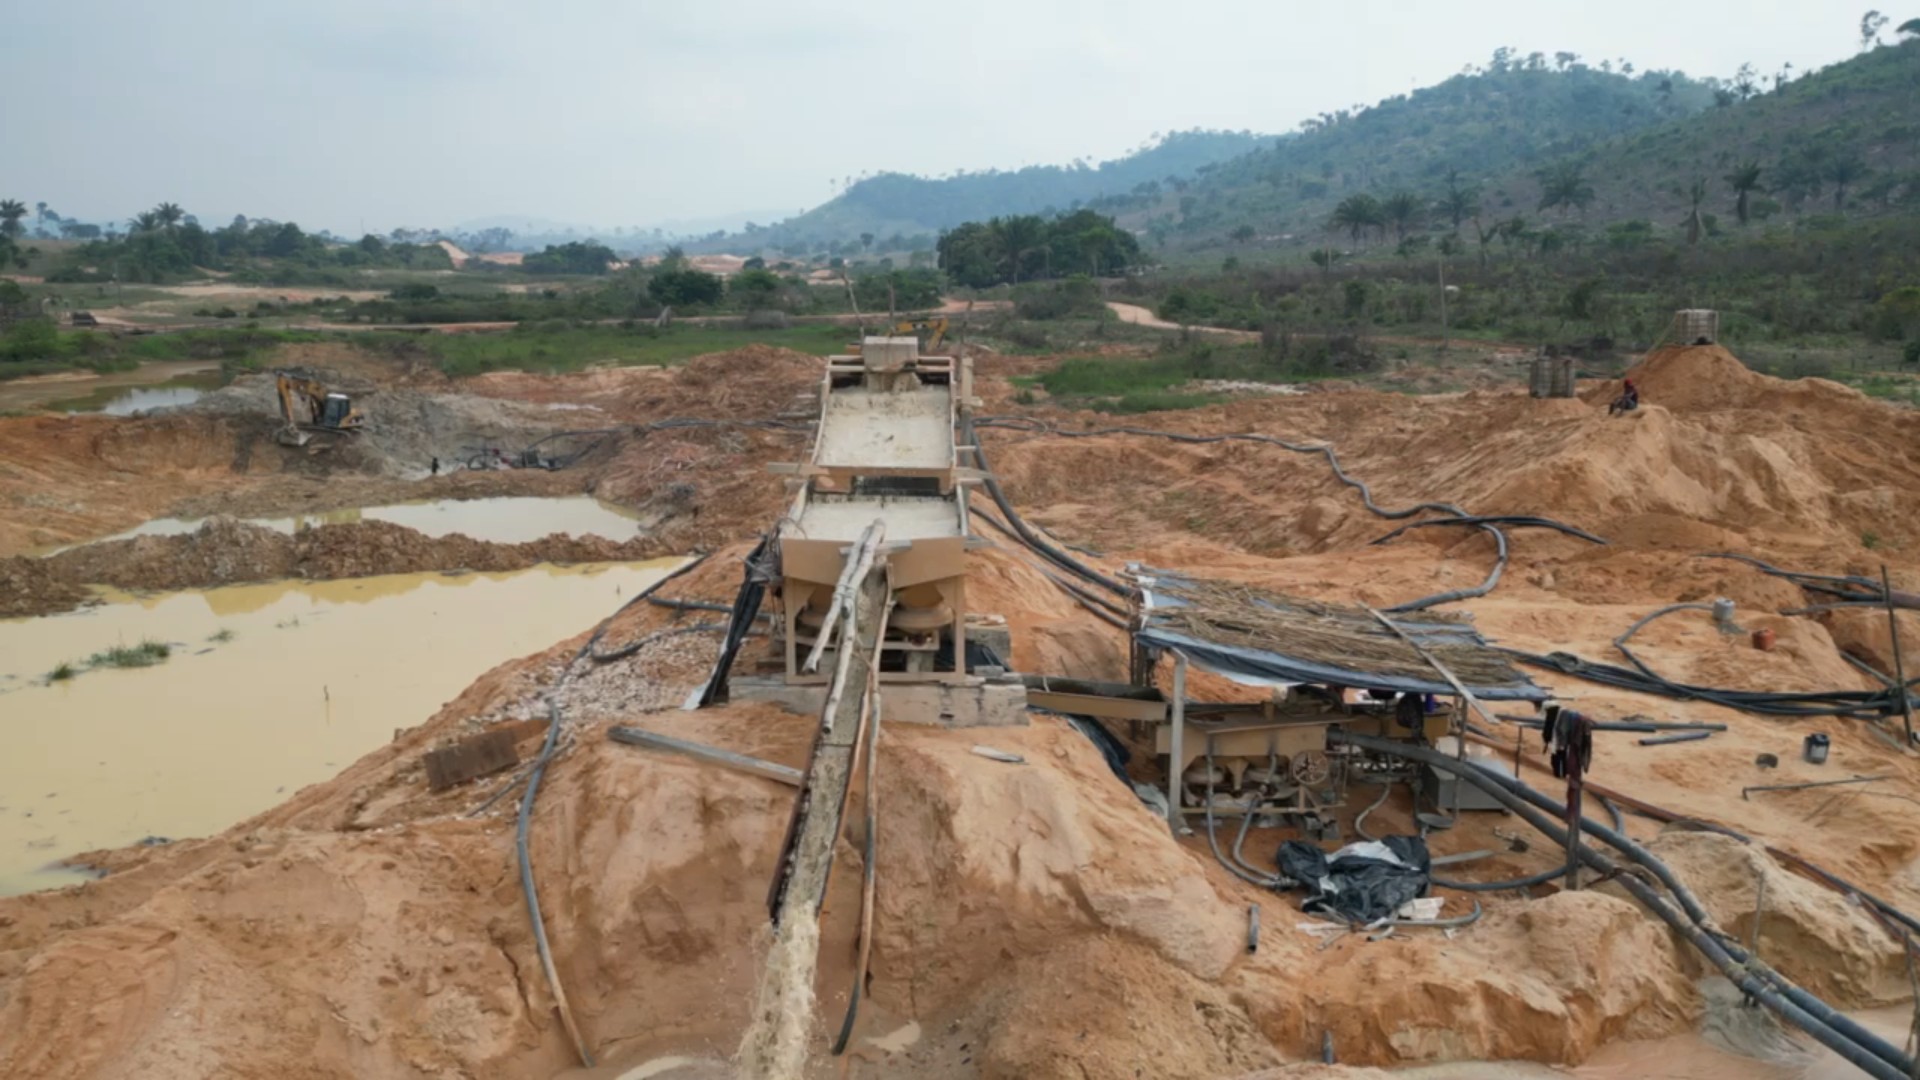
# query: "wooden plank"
712,755
475,756
806,858
1113,708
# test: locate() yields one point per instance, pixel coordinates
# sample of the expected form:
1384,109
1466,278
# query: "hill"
1484,124
897,205
1628,151
1842,139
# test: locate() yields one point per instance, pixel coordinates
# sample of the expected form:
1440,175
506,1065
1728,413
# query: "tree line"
1028,247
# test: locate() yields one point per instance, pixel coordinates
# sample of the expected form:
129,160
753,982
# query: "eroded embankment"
228,552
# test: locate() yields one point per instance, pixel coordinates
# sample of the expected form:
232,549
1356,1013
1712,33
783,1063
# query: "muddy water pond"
88,392
267,688
505,520
127,400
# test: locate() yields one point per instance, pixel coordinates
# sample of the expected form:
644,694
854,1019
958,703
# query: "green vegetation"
1015,249
562,347
576,257
897,212
36,346
145,654
1152,383
167,244
221,636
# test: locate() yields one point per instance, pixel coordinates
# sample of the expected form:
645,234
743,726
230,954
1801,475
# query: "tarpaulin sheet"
1360,882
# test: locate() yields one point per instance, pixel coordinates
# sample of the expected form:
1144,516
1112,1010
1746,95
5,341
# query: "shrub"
1076,297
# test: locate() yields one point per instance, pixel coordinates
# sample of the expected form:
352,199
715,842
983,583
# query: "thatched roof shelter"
1259,637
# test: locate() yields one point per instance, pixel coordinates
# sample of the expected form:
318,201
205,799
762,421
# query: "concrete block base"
981,701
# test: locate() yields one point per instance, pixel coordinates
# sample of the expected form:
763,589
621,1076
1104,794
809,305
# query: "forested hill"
1842,140
896,204
1512,113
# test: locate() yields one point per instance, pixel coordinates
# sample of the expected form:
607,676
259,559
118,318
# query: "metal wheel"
1310,768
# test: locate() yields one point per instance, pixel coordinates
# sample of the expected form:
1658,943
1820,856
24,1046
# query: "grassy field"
540,347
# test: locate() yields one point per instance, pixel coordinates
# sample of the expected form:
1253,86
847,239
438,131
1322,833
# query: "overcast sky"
379,113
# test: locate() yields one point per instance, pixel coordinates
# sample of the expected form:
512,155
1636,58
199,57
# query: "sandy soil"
1034,920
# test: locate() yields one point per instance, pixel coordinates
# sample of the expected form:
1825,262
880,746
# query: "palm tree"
11,211
1744,180
146,222
1403,211
1460,201
1564,186
1844,169
1485,236
1694,225
169,215
1356,214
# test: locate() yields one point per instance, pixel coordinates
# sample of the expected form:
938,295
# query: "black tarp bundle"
1361,882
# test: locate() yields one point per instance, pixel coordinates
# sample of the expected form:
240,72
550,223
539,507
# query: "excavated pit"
1036,920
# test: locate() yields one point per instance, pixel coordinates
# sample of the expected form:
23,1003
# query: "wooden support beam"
1434,662
712,755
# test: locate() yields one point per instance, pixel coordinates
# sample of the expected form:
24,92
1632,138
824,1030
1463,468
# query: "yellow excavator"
931,331
308,406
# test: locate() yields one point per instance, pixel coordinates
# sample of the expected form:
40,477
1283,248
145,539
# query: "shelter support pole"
1178,761
1899,665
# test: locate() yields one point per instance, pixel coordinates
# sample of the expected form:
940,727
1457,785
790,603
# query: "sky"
366,115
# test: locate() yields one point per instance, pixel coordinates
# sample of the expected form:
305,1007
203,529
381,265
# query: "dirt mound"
1810,933
1708,378
224,551
29,587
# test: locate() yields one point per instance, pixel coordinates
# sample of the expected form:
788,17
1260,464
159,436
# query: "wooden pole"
1899,664
712,755
1445,340
1434,662
1178,761
859,563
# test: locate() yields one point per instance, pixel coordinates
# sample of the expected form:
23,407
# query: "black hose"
1694,910
1613,811
676,604
525,855
1033,540
1511,521
1541,878
636,645
1856,704
1455,515
1482,589
1825,1025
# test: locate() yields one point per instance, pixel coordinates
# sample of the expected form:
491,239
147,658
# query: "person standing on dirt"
1628,400
436,467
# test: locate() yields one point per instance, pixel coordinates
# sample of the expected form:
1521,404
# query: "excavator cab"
336,411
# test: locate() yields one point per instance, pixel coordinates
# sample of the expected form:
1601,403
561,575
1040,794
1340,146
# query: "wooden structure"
884,451
1551,377
1324,666
1695,326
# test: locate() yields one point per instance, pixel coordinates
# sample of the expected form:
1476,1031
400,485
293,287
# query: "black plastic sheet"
1361,882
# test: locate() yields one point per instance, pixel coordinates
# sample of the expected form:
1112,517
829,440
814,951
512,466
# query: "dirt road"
1139,316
